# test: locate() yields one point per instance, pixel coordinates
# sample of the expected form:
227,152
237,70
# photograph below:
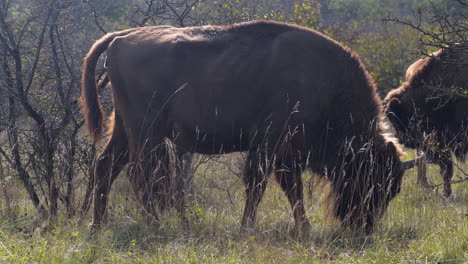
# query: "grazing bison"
429,114
290,97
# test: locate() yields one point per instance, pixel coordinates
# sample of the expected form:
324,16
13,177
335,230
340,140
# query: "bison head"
405,118
364,186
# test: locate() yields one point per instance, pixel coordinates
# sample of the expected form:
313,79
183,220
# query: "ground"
420,226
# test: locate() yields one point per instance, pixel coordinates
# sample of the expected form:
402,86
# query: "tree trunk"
5,191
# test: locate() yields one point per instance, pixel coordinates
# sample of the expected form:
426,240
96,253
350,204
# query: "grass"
420,226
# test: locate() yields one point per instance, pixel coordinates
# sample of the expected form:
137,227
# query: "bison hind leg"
138,175
154,179
107,166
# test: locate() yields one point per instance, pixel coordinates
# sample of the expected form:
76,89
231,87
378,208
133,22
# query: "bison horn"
405,165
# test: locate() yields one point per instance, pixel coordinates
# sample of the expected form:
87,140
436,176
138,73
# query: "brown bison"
429,112
290,97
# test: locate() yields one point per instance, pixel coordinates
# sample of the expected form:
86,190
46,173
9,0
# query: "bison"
429,113
291,98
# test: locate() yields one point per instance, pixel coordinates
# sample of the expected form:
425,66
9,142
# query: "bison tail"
90,104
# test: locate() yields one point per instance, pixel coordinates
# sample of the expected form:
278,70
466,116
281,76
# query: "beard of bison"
362,186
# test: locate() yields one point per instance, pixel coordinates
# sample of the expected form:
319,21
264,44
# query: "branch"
39,46
428,185
462,2
96,18
58,74
188,8
440,30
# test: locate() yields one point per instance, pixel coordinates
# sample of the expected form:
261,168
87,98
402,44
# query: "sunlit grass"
420,226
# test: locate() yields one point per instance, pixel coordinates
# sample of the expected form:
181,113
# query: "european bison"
290,97
429,112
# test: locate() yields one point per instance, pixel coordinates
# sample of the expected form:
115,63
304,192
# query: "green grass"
420,226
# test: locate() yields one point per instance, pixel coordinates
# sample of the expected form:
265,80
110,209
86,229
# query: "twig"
6,249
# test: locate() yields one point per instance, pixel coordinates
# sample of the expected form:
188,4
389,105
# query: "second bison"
430,110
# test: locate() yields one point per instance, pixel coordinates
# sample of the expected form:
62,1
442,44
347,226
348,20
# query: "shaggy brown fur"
428,115
290,97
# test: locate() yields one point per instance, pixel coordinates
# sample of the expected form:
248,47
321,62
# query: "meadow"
45,155
420,226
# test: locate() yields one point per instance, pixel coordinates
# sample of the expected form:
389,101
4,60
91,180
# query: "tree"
40,78
440,27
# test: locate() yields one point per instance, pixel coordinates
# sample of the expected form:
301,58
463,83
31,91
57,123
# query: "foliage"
387,54
306,14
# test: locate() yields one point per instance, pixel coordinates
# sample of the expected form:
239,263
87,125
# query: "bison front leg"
289,178
446,170
107,166
256,173
184,182
421,166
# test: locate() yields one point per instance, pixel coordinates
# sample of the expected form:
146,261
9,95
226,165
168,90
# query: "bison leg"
143,174
421,166
107,166
289,178
139,176
256,174
184,180
446,170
